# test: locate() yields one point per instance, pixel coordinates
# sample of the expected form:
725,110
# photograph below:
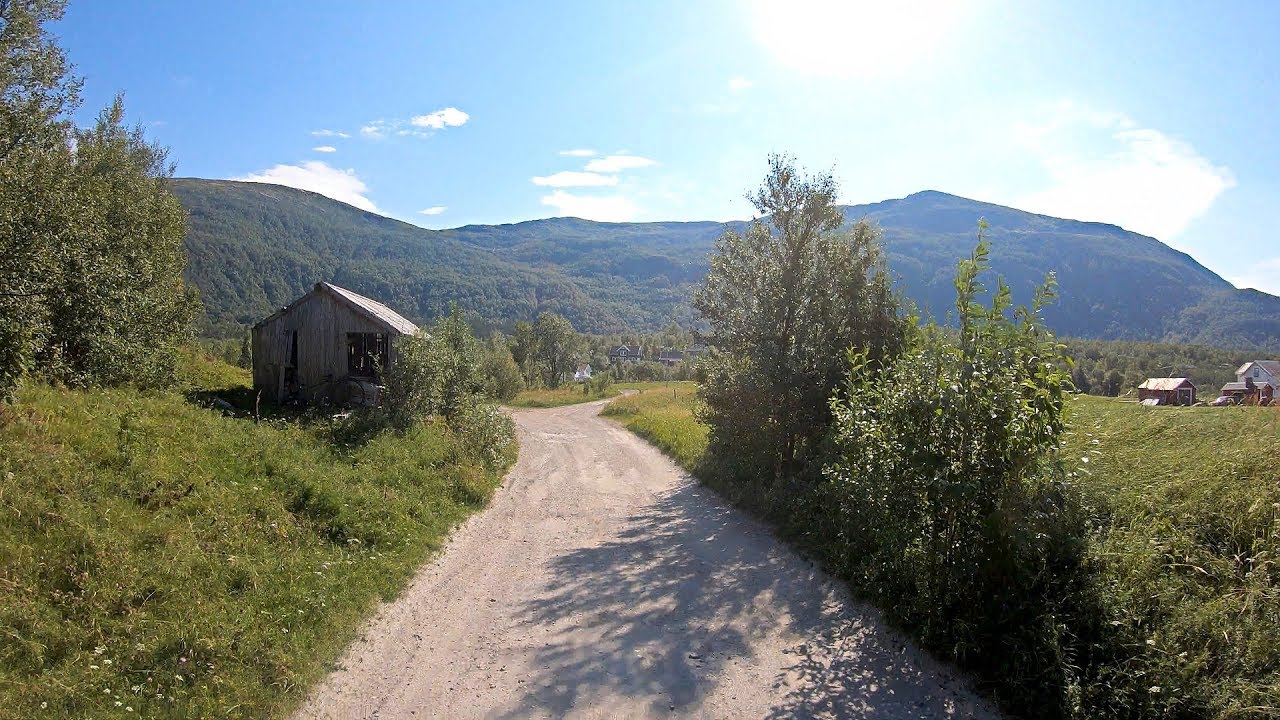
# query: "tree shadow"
686,595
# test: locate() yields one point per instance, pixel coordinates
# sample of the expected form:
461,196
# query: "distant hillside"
254,247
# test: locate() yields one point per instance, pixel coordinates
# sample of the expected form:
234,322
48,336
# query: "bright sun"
852,38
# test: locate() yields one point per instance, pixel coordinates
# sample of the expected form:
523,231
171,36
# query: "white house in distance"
1261,372
583,374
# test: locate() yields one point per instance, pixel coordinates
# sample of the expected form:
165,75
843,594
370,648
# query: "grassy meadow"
1184,509
563,395
663,415
161,559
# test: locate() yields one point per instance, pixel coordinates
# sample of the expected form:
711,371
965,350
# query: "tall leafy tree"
36,94
120,309
559,348
786,302
91,253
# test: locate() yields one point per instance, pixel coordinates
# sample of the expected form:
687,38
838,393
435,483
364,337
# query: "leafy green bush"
944,504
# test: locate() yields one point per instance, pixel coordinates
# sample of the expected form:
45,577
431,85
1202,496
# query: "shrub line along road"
604,582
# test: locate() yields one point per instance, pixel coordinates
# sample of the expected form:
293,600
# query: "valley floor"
605,582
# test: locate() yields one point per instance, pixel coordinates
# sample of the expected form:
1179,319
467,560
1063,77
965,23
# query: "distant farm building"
1167,391
1248,392
1260,372
626,353
670,357
328,345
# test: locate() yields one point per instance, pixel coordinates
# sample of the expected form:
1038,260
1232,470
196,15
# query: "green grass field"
563,395
1187,506
663,415
1185,511
162,560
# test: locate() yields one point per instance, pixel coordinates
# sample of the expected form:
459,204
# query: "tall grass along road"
604,582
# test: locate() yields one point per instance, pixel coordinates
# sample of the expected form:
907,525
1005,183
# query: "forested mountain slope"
254,247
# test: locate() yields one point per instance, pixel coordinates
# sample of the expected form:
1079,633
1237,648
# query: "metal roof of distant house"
626,350
1271,366
1165,383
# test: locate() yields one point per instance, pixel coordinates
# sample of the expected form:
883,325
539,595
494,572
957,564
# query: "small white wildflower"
1084,459
1154,689
44,705
106,662
128,708
1151,642
99,650
93,667
118,703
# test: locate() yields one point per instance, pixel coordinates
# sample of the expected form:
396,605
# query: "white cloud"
569,178
1103,166
325,149
1263,275
617,163
608,208
316,176
374,130
329,133
581,152
433,210
440,119
739,83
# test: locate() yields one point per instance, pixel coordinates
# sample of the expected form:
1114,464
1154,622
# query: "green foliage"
164,558
91,255
437,372
785,302
1186,509
942,503
558,348
503,378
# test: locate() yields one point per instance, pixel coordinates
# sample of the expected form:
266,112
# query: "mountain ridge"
255,246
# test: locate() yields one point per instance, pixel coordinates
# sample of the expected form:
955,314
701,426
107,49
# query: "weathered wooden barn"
329,344
1168,391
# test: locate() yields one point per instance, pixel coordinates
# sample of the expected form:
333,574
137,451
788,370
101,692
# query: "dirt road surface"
604,583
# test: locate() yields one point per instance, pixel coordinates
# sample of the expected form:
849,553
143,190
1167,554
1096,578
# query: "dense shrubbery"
440,372
91,254
944,502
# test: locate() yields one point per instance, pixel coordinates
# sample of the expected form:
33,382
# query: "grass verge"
162,560
663,415
563,395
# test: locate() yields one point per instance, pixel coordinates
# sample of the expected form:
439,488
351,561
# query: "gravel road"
604,583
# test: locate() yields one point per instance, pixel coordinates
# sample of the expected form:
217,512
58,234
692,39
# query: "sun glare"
853,38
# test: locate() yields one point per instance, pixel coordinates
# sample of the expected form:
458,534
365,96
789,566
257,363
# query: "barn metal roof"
373,308
1164,383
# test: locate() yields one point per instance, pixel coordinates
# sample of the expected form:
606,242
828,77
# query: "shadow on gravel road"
686,591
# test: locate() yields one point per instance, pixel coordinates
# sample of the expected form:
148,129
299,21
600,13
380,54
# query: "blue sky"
1159,117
